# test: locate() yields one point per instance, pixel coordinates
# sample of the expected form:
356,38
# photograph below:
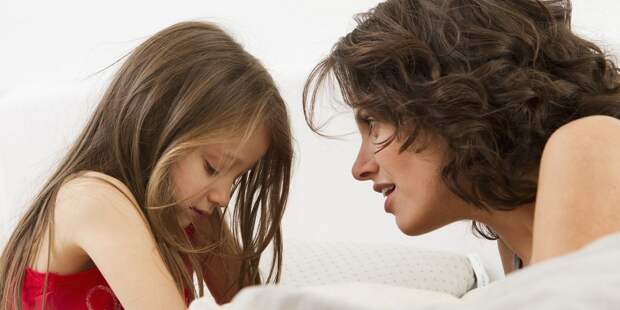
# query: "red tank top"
86,290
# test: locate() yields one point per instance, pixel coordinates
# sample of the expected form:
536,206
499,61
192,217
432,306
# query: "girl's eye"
210,169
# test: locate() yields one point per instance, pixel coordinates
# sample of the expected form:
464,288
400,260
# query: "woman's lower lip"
387,206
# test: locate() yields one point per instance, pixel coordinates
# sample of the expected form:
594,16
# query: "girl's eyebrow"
233,159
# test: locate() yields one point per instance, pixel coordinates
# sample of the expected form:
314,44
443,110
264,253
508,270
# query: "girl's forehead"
240,149
227,153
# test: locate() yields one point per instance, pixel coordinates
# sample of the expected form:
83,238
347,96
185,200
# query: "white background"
44,44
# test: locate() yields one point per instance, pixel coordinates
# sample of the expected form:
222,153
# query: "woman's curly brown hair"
493,78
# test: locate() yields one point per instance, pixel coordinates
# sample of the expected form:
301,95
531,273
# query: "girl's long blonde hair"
188,85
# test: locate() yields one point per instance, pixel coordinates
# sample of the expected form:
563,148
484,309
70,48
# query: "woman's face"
410,181
213,170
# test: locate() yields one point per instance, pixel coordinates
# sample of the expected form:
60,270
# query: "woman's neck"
514,228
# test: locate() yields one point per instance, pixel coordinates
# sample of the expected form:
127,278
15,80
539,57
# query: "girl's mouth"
198,211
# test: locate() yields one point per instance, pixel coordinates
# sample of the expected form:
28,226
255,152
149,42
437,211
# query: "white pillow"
313,263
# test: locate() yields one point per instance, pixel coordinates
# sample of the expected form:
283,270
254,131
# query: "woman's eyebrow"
360,116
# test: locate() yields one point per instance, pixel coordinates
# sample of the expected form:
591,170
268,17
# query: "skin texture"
420,202
113,235
578,194
214,168
577,200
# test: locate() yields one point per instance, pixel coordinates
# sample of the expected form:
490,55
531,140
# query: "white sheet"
586,279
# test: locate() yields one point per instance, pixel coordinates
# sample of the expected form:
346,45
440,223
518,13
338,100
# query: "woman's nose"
365,165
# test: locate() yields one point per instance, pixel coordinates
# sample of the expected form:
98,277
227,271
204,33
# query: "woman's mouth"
387,193
388,190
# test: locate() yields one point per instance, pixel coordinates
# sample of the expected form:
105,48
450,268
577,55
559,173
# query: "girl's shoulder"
85,204
93,186
93,202
101,218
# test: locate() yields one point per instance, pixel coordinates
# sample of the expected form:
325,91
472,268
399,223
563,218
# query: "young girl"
134,211
486,110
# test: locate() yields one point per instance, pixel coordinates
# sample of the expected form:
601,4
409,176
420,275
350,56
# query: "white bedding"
586,279
316,263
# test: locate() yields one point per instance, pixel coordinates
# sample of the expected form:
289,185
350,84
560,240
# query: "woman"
487,110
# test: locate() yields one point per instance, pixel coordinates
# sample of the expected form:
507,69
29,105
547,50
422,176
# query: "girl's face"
215,168
410,181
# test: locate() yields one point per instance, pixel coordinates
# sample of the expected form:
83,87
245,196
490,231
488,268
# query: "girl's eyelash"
210,169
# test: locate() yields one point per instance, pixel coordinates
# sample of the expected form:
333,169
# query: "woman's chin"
413,228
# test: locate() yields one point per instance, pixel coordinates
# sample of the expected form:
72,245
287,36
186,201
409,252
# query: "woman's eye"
210,169
372,127
370,122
